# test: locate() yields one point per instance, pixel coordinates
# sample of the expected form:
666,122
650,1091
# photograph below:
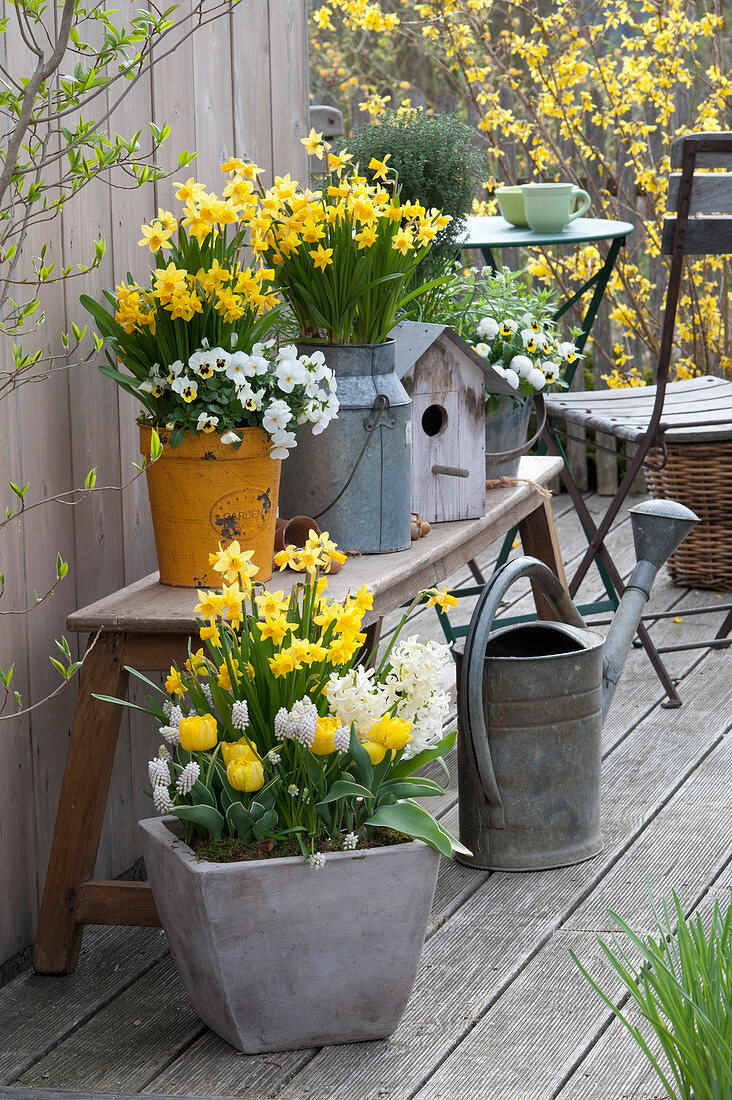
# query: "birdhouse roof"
414,338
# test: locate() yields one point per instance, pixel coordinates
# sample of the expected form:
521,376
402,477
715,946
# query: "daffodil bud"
198,732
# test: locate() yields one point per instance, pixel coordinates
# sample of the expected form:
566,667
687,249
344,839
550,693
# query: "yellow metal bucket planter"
204,493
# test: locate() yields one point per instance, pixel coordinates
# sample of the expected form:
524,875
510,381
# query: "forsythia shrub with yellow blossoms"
194,338
343,256
594,94
272,731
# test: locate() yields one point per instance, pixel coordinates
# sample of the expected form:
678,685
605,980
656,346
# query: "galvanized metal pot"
505,430
276,956
355,478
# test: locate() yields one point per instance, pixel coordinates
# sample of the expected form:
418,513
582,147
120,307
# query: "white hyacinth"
239,715
316,861
355,698
158,772
188,777
162,800
350,842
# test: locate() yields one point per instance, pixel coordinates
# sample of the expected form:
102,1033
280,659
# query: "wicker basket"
699,475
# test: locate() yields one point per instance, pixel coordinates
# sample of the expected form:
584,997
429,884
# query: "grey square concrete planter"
277,956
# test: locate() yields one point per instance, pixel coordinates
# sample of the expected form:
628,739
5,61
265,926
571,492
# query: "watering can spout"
659,527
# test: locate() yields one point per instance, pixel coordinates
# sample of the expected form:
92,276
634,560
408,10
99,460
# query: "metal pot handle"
516,452
476,642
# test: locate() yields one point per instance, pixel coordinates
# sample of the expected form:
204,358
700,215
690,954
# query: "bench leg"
81,807
539,540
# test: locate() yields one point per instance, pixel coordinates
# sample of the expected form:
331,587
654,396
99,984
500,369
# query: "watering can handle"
476,642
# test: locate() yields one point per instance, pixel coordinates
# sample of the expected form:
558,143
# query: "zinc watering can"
531,702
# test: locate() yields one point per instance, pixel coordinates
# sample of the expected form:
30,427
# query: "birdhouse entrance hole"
434,420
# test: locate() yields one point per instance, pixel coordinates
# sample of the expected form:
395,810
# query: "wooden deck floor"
499,1010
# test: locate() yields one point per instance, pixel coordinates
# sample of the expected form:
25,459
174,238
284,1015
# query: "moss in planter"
231,850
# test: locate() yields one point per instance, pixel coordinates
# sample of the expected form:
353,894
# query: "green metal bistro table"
487,234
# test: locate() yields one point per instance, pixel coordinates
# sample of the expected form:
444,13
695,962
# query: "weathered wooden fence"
237,87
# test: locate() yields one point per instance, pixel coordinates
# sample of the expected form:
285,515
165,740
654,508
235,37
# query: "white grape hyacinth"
188,777
158,772
316,861
162,800
240,715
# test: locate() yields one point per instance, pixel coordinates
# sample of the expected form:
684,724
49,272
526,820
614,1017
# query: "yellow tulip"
198,732
376,751
245,775
323,743
392,733
238,750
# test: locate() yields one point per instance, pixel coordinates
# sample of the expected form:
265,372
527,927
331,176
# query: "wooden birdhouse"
446,381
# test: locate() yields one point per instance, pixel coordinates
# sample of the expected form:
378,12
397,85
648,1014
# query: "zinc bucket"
204,493
505,430
355,478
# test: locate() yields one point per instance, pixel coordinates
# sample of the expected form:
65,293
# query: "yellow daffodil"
197,664
209,605
233,562
313,144
210,633
232,597
155,236
403,241
224,678
188,190
364,599
366,237
286,557
271,603
340,651
282,663
198,732
338,162
322,257
378,167
174,684
440,597
245,775
274,628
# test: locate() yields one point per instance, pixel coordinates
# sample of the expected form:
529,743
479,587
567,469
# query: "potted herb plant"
294,870
344,258
191,343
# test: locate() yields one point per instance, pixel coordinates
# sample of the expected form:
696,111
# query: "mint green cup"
550,207
511,204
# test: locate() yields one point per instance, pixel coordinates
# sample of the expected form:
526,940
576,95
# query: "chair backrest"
699,202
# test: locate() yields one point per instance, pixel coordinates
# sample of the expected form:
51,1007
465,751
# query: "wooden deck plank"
480,950
37,1013
550,994
146,1026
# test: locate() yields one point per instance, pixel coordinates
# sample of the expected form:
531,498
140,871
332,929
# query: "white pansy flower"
230,437
568,351
260,347
206,422
220,358
186,387
282,442
277,416
488,328
290,373
532,340
550,369
521,364
174,370
240,368
289,351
